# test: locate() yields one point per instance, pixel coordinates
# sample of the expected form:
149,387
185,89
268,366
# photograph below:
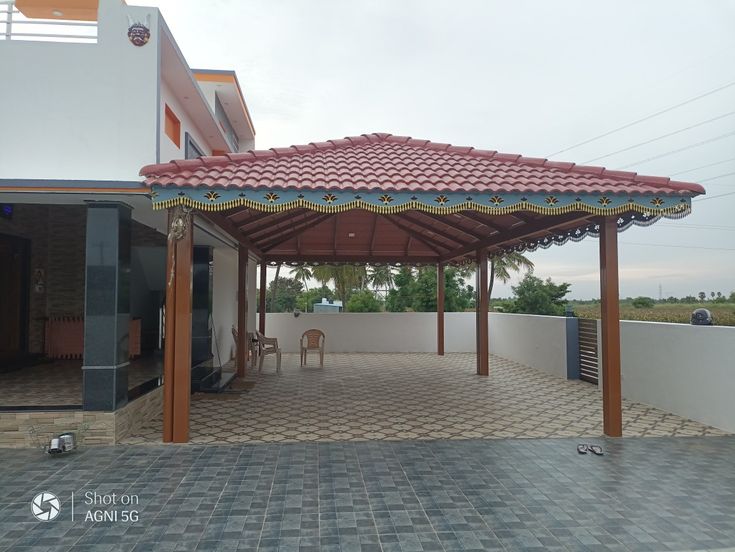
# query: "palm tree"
346,278
501,265
302,274
381,277
275,288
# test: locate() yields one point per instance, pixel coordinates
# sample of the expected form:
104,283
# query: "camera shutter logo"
45,506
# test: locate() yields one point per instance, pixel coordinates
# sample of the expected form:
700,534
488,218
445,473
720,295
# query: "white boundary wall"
683,369
536,341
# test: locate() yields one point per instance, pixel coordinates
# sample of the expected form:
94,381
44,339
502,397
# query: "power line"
698,227
712,197
680,246
701,123
704,166
646,118
672,152
716,177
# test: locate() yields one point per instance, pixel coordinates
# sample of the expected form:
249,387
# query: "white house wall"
81,111
224,303
168,149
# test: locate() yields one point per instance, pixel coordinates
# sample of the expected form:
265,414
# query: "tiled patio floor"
511,494
359,397
60,382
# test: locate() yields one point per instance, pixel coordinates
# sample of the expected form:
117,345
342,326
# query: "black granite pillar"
107,307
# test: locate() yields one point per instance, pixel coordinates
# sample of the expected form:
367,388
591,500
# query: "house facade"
93,91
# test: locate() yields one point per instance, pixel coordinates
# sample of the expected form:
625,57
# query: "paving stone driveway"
358,397
525,494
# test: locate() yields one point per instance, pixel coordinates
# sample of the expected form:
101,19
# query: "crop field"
723,313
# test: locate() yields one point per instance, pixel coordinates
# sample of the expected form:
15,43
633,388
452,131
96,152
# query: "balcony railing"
15,26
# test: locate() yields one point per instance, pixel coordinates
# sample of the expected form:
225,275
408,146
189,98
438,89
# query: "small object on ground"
594,449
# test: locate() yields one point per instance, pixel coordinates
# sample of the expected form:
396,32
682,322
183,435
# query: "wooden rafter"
444,221
518,233
482,219
431,228
266,235
296,231
372,233
350,258
247,216
270,221
233,231
428,241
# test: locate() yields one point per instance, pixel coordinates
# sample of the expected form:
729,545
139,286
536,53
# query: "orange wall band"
172,126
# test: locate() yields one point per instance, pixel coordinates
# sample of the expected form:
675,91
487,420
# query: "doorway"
14,267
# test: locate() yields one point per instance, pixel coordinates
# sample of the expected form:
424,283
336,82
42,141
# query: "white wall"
168,149
81,111
683,369
224,302
536,341
252,282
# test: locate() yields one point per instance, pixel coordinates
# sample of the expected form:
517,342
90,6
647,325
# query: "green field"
723,313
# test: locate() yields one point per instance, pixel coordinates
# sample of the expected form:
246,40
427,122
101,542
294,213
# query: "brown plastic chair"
312,340
268,346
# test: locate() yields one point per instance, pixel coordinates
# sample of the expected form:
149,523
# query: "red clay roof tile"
400,163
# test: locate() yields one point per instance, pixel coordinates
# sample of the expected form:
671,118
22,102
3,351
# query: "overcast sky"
523,77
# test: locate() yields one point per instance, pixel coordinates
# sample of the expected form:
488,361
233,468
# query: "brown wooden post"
261,305
168,348
440,309
242,310
612,411
177,354
482,310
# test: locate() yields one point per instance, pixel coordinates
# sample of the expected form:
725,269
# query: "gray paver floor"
526,494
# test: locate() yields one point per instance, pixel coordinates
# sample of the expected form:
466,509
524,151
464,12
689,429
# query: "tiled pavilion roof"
379,198
383,162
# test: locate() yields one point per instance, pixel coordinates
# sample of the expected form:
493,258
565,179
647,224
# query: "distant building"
326,306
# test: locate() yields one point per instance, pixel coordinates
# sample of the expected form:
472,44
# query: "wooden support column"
177,353
612,411
242,310
440,309
482,309
261,304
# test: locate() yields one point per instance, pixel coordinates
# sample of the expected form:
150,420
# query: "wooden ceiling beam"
266,235
296,231
519,233
444,220
274,219
431,228
429,242
351,258
372,232
230,229
238,218
482,219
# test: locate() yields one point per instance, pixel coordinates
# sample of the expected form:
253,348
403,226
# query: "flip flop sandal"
595,449
582,449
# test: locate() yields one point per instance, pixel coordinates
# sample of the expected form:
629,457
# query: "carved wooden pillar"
261,305
177,354
482,309
440,310
612,410
242,310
